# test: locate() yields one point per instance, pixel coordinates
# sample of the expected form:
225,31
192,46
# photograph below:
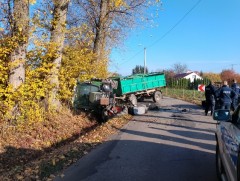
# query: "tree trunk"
57,37
100,37
18,56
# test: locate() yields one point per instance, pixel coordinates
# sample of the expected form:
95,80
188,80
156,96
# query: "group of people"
227,96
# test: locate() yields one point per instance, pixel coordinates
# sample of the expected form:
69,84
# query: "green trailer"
139,83
137,87
113,94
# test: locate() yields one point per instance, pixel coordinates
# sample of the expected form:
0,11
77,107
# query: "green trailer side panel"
141,82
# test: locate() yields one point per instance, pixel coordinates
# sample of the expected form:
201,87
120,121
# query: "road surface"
175,143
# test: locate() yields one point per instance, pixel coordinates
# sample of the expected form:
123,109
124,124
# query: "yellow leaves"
53,162
28,171
29,97
16,63
48,143
118,3
62,157
79,63
213,77
19,177
7,45
32,1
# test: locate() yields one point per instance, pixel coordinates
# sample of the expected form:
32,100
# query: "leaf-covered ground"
45,149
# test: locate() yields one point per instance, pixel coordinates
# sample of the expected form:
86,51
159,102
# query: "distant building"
188,75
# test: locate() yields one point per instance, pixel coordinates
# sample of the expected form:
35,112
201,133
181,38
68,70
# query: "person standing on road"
236,89
226,95
210,98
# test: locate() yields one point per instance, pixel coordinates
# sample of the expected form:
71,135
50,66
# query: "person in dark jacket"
226,95
210,98
236,89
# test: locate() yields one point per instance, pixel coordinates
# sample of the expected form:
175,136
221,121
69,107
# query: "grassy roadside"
192,96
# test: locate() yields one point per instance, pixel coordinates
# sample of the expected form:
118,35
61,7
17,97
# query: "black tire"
219,165
157,96
104,115
130,110
140,99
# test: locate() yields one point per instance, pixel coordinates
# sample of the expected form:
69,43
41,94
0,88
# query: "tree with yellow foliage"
214,77
58,30
42,57
20,27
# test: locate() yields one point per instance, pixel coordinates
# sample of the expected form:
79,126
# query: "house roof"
178,76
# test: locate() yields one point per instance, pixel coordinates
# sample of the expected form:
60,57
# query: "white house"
188,75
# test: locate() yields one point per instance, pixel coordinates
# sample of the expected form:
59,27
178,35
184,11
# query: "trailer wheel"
140,99
133,99
157,96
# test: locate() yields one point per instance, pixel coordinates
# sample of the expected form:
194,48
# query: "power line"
176,24
131,57
169,31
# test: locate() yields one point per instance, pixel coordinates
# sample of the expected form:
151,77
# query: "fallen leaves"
44,151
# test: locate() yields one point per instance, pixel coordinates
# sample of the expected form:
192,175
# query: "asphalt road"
175,143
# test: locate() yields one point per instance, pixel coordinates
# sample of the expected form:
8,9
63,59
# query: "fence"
186,83
192,96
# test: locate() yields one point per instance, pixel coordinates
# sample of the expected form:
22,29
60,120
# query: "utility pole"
145,59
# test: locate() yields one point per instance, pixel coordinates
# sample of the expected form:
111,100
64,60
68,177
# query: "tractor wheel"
104,115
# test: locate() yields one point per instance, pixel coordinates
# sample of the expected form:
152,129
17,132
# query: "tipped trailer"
108,97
